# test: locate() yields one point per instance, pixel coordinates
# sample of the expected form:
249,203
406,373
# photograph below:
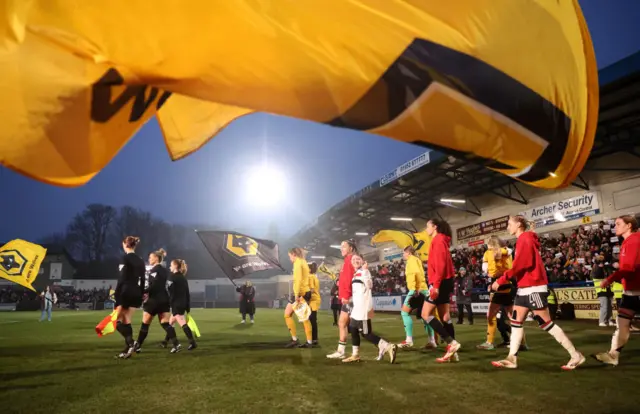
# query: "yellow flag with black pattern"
509,84
20,262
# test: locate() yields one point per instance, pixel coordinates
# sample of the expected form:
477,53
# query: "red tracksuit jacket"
440,265
528,269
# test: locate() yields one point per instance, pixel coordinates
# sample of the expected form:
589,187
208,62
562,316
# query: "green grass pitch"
63,367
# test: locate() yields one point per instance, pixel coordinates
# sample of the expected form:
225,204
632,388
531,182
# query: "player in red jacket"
629,274
440,275
347,248
531,276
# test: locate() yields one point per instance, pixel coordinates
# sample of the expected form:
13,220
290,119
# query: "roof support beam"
582,184
476,211
507,192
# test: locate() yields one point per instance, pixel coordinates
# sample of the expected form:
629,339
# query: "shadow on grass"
256,346
25,387
243,326
31,374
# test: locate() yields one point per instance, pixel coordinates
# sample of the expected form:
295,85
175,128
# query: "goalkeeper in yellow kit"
301,292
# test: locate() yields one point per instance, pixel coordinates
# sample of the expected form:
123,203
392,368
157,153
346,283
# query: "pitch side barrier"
581,294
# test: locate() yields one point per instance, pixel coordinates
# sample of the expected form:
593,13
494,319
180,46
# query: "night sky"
323,165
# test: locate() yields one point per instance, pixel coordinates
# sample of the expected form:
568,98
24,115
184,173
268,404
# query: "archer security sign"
565,210
387,303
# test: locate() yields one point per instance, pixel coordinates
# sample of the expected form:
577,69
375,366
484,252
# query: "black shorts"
444,295
502,299
361,326
306,297
416,301
180,310
130,299
347,308
630,302
533,301
154,308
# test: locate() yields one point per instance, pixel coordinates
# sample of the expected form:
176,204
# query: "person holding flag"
247,296
301,292
417,286
348,249
49,298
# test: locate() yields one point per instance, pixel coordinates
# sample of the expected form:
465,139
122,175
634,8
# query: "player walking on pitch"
629,274
440,273
529,272
417,286
362,313
348,249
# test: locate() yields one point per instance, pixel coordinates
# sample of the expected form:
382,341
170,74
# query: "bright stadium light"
317,257
361,233
452,200
335,246
401,219
265,185
559,217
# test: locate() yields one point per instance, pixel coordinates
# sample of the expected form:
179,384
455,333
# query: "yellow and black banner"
420,241
239,255
20,262
509,84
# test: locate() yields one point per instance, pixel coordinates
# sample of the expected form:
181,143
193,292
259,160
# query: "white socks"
341,348
563,340
517,333
356,350
620,336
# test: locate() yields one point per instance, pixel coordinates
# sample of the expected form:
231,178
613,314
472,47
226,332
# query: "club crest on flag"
240,246
20,262
12,262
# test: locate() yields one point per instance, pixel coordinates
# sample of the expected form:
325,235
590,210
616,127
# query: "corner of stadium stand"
417,194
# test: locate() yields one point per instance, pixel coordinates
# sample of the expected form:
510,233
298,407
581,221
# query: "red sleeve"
628,262
440,263
525,259
349,270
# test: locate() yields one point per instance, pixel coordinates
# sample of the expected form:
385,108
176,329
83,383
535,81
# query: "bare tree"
87,234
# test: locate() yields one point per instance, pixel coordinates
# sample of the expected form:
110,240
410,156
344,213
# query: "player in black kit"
128,292
180,301
156,299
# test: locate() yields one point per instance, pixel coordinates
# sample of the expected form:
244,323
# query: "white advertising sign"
564,210
480,307
387,303
405,168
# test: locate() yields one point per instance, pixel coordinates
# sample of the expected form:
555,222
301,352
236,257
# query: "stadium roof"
416,189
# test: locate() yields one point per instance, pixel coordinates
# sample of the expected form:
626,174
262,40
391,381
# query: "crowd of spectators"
570,258
66,296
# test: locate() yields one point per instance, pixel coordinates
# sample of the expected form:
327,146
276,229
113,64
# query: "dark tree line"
96,233
94,237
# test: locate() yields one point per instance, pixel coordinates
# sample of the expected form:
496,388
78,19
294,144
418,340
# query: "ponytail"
181,265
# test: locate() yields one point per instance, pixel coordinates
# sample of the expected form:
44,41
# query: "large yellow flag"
420,241
511,84
20,262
